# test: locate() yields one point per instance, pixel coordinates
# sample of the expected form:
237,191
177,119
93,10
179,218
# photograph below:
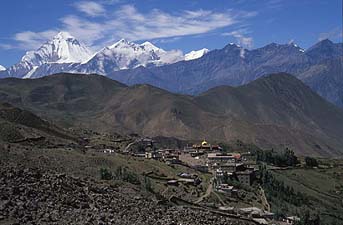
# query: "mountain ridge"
275,111
320,66
64,53
235,66
62,48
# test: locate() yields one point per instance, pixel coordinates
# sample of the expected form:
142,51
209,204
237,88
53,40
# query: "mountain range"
320,66
274,111
64,53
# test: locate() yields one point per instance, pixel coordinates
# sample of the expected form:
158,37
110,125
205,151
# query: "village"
231,174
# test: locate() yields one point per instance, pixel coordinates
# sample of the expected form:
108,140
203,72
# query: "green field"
322,187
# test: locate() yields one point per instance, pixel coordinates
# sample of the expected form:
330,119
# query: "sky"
170,24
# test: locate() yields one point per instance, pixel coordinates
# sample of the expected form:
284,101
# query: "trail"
165,191
265,202
219,198
207,193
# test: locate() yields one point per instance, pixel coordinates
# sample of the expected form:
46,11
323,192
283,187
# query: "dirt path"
265,202
207,193
165,191
219,198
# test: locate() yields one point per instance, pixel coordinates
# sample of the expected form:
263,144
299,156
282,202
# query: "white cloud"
110,2
90,8
167,40
131,24
275,4
241,38
127,22
332,34
6,46
83,29
32,40
172,56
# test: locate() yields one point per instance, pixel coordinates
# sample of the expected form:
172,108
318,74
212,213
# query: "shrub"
124,174
105,174
311,162
284,158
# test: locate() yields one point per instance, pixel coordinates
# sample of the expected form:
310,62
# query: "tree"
105,174
284,158
147,184
311,162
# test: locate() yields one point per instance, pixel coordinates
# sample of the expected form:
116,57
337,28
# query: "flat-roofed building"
216,160
245,177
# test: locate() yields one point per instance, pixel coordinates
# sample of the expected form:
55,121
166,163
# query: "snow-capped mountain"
127,55
150,47
2,68
196,54
64,53
63,48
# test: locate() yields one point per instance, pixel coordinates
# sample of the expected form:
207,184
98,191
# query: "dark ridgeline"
274,111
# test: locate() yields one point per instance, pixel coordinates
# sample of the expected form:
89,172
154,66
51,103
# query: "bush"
311,162
124,174
284,158
105,174
121,173
147,184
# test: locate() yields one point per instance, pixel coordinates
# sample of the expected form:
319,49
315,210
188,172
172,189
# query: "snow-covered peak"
196,54
294,45
127,55
232,45
122,43
145,47
151,47
63,35
63,48
121,55
2,68
127,49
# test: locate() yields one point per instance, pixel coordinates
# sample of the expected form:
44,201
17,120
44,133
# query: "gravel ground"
34,196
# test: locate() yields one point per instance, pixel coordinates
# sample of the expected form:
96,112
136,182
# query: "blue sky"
170,24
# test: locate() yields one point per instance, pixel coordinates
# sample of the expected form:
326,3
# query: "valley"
171,112
79,175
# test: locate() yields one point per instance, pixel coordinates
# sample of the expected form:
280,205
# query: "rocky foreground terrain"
35,196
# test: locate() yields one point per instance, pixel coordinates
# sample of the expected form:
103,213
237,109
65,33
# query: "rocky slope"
41,196
275,111
19,126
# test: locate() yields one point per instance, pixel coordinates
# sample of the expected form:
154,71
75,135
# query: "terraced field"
323,187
